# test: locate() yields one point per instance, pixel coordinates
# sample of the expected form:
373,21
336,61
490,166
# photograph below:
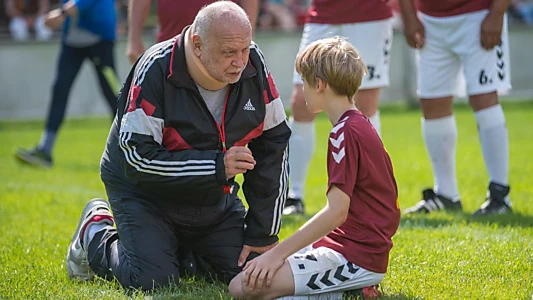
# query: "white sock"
494,142
301,150
47,142
376,122
440,137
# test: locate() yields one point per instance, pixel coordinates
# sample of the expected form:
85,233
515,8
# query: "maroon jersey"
359,165
445,8
174,15
27,7
347,11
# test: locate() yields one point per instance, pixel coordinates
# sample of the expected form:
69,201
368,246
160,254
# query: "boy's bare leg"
282,285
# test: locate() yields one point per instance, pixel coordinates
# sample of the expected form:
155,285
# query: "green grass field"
441,256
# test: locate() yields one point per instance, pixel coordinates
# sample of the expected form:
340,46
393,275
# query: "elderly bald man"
187,111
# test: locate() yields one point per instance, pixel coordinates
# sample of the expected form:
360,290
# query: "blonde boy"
345,246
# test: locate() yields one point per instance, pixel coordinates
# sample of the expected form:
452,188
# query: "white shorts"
373,40
323,270
453,43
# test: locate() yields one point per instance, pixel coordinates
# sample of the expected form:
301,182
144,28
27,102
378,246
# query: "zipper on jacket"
219,127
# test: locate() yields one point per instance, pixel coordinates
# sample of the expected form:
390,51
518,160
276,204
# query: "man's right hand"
238,160
135,49
414,32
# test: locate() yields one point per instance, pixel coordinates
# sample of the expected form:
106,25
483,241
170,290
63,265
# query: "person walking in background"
88,33
367,25
173,15
27,14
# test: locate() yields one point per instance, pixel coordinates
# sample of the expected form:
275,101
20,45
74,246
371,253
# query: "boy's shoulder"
353,124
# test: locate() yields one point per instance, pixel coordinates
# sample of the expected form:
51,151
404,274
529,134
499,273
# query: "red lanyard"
220,128
222,133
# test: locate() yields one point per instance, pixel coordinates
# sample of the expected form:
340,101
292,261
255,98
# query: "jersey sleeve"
343,159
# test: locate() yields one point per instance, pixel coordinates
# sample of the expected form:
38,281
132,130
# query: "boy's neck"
337,106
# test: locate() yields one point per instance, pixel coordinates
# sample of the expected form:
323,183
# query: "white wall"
27,71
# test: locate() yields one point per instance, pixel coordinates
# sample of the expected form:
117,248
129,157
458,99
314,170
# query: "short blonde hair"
336,62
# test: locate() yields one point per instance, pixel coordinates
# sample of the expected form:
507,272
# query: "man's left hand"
246,250
491,30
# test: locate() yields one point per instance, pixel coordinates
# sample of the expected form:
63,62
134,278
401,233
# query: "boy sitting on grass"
344,247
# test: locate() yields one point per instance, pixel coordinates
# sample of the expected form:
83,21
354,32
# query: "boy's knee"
235,288
239,291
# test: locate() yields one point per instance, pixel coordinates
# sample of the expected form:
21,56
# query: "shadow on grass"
197,288
188,288
397,297
443,219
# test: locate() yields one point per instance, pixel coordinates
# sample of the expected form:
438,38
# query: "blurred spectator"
278,14
89,31
523,9
121,6
173,16
25,14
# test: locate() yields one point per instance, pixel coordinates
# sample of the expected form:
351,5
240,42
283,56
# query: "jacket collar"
178,72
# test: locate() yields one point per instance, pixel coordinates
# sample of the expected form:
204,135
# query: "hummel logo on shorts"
249,106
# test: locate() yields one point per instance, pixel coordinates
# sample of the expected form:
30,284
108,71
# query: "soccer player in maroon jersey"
173,16
346,245
366,24
472,35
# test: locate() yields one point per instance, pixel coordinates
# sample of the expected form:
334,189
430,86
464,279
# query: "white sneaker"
77,263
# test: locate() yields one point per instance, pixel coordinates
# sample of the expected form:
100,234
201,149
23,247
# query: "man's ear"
320,85
196,44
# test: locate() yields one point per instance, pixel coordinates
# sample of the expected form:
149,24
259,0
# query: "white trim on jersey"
337,142
282,195
148,60
138,122
337,127
164,168
275,114
261,56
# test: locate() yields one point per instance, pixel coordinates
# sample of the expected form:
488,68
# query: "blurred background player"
27,14
367,25
471,34
173,15
88,33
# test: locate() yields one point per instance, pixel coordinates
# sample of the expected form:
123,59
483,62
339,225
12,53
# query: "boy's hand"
261,270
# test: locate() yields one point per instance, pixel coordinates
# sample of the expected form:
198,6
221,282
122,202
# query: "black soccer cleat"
293,206
432,202
495,203
34,157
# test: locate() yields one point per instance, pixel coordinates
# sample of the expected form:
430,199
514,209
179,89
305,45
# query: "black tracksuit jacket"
165,143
